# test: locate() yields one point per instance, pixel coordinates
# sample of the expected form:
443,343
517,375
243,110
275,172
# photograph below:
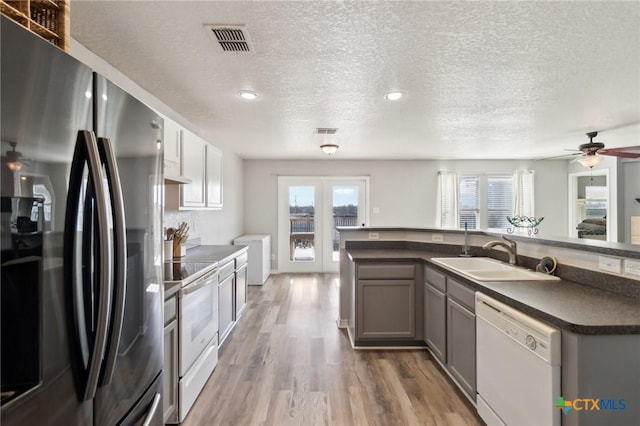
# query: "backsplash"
172,218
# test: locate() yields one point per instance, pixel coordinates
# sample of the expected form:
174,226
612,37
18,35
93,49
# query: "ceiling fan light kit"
590,160
592,152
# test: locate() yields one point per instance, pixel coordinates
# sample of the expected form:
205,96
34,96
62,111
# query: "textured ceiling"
482,80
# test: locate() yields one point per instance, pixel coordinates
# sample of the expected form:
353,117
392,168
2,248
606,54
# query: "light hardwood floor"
287,363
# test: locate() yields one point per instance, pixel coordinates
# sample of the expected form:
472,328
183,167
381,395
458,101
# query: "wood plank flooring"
287,363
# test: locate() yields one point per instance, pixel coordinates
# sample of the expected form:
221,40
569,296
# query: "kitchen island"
600,329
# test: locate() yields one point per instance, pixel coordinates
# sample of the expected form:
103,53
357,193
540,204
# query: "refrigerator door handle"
86,152
151,414
120,249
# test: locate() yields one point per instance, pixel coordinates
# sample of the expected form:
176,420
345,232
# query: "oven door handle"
198,284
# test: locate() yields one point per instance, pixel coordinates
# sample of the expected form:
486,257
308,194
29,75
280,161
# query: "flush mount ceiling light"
329,148
590,160
393,96
327,133
248,94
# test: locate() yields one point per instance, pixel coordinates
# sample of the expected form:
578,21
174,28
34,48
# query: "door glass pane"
345,213
302,223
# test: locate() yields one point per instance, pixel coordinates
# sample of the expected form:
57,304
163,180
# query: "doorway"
309,210
591,214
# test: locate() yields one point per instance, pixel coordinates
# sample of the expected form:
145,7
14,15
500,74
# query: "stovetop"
184,272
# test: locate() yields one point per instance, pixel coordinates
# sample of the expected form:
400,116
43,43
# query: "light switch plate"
632,267
610,264
374,236
376,210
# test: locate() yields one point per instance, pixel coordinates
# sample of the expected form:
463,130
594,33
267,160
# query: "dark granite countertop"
567,305
594,246
219,254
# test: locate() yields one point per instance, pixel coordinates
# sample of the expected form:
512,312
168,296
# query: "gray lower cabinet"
170,375
386,309
226,304
241,290
435,321
450,326
384,303
461,346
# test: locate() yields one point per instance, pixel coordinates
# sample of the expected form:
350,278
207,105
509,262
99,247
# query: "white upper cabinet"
192,170
194,151
214,177
172,150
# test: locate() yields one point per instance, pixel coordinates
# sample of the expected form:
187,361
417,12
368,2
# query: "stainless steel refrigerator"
81,215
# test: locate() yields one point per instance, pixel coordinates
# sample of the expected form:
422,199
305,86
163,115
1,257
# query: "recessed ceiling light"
393,96
248,94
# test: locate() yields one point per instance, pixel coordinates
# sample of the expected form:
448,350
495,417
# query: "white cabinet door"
193,166
214,177
172,149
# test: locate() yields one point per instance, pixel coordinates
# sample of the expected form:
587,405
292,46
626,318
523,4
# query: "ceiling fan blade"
626,152
567,156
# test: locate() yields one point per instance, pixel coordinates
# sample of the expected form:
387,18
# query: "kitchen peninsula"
393,278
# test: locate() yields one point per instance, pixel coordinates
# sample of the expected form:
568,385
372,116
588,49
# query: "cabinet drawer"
435,278
242,259
461,294
383,272
169,310
226,270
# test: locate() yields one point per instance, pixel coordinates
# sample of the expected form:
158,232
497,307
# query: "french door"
309,210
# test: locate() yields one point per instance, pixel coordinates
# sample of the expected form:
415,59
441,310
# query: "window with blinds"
468,206
484,200
499,200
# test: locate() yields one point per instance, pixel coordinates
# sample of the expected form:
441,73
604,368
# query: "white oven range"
197,329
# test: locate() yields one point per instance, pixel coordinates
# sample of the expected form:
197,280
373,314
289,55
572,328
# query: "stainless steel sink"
488,269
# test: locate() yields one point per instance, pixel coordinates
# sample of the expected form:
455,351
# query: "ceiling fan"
14,159
591,153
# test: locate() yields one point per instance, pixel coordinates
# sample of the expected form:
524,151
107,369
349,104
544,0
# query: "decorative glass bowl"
530,223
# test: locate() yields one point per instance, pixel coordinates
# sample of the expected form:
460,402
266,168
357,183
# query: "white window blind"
447,200
468,210
500,199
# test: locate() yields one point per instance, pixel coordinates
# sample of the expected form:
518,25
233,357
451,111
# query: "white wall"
212,227
404,191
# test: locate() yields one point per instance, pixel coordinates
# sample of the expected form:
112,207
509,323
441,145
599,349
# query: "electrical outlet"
437,237
374,236
632,267
610,264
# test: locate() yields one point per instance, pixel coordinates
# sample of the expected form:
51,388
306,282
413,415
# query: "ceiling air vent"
326,131
231,38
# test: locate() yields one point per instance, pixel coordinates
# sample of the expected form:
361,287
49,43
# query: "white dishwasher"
518,366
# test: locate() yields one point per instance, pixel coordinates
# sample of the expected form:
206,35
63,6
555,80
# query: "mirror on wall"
590,209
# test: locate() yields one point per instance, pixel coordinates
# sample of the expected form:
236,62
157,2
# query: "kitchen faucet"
509,245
